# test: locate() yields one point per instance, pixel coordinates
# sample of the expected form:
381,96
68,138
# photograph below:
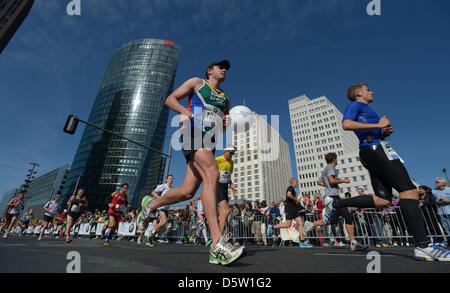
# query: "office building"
262,165
12,14
130,102
317,130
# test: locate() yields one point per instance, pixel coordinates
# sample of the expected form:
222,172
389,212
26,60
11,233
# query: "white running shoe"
145,213
139,241
355,246
224,253
308,227
328,209
433,252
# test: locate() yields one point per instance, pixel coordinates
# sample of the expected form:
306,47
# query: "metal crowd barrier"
372,227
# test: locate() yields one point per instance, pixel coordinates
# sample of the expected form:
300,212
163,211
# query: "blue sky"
278,50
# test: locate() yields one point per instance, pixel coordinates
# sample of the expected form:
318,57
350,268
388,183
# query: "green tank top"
209,106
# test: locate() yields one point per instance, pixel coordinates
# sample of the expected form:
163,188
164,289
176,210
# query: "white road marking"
341,254
17,244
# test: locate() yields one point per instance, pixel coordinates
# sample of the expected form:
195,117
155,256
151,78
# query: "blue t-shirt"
362,113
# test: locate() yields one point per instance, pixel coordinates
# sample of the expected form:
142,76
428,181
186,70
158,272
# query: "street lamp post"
30,176
446,176
76,185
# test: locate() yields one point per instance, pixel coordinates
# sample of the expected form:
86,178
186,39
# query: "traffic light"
71,124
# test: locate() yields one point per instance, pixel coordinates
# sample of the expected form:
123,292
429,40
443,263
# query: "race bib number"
225,177
120,208
390,152
75,209
210,116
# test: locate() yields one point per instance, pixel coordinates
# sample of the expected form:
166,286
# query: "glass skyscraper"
130,102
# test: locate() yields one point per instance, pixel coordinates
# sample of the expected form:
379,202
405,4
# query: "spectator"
307,204
317,206
428,206
247,214
442,196
274,212
281,206
257,221
235,217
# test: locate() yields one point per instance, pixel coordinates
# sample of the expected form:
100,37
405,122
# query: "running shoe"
68,240
208,242
433,252
139,241
356,246
308,227
107,243
40,238
304,244
328,209
149,241
224,253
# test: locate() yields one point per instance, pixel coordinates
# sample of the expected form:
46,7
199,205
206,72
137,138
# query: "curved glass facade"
130,102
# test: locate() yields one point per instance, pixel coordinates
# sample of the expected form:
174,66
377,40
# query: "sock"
205,236
414,220
110,234
362,201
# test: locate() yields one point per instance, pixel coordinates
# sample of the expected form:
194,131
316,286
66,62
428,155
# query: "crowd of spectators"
251,223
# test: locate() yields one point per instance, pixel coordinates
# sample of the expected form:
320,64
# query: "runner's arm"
180,93
11,202
85,201
357,126
289,194
155,194
333,180
226,119
70,200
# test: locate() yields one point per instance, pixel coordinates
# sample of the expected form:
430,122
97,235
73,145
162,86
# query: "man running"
225,165
294,211
26,219
75,204
15,207
51,211
207,111
386,171
329,179
162,211
117,207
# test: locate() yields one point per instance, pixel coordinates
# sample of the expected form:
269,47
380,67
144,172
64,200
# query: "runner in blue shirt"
386,171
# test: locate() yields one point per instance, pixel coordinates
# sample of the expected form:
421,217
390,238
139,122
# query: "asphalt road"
27,255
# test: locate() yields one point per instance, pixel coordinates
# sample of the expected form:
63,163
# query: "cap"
225,63
230,148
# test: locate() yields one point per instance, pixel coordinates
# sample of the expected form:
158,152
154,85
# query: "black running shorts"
48,219
341,212
116,217
74,216
385,174
10,216
222,192
293,213
190,147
